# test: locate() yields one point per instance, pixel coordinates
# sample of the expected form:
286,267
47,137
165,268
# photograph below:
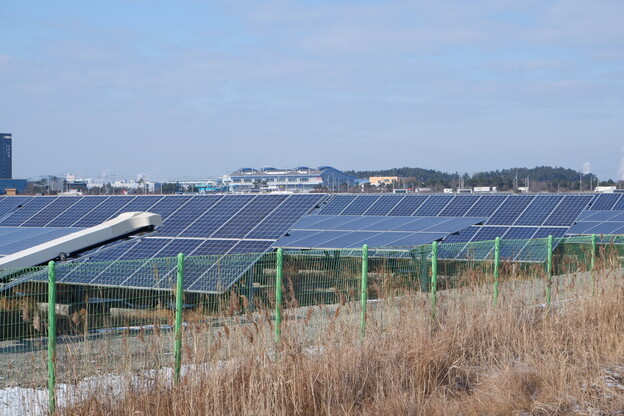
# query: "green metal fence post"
549,270
434,278
496,272
52,338
364,292
278,294
593,262
177,350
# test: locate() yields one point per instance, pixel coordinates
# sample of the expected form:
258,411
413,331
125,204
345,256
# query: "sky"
192,89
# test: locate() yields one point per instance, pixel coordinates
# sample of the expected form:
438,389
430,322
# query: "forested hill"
541,178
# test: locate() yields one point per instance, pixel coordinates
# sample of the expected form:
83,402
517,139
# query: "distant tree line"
540,178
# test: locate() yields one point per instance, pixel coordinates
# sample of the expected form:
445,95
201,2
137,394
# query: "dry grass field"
519,358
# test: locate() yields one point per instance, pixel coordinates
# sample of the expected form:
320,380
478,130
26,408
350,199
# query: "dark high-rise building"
6,171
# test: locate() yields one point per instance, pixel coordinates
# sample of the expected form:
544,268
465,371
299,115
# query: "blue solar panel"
103,211
29,209
416,239
510,210
520,233
544,232
605,202
285,215
385,239
459,206
408,205
582,227
307,239
140,203
486,206
537,212
619,205
348,240
451,225
463,236
50,212
249,246
384,205
16,239
9,203
185,216
600,216
169,205
177,246
211,247
604,228
568,210
433,205
482,251
371,223
239,224
76,211
360,205
392,223
210,221
329,222
336,204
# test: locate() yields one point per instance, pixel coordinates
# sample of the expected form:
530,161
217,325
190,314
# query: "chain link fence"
106,333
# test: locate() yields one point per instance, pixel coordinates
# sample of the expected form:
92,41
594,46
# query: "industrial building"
298,179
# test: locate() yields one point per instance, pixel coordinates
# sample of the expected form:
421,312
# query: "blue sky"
194,88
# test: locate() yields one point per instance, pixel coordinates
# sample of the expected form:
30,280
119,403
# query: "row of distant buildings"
300,179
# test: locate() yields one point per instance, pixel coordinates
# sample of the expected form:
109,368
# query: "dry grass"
473,360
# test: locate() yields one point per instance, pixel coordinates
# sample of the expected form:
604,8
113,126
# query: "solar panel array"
192,224
233,224
509,216
351,231
599,222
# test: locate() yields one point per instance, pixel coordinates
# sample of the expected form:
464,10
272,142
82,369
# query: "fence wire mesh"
117,318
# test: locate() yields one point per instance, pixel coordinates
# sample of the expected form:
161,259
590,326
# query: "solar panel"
238,225
336,204
416,239
482,251
619,205
433,205
539,209
408,205
211,220
510,210
486,206
51,211
360,205
32,207
214,247
605,202
9,203
76,211
330,222
103,211
459,206
384,204
140,203
285,215
568,210
16,239
185,215
598,222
